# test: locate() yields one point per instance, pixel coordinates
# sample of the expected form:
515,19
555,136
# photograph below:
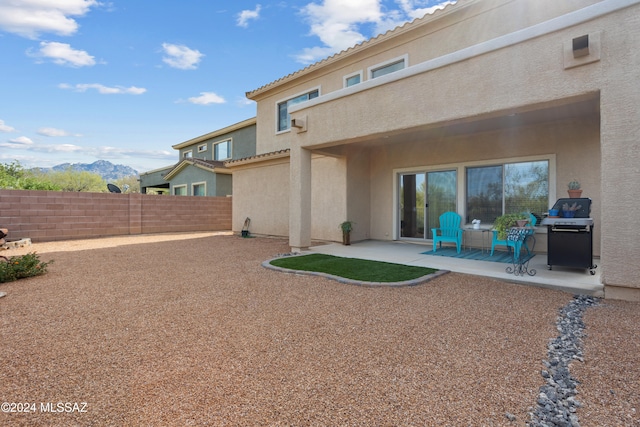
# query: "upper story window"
222,150
283,108
187,154
202,148
388,67
353,79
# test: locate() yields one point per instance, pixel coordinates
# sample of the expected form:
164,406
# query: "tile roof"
258,157
206,164
356,48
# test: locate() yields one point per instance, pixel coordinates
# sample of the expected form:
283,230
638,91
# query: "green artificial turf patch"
353,268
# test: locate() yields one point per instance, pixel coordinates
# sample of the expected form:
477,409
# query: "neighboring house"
475,101
201,170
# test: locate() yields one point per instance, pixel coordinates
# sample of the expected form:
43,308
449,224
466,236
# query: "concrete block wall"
53,215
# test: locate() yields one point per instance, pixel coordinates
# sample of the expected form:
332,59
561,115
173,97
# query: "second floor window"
352,80
222,150
387,68
283,108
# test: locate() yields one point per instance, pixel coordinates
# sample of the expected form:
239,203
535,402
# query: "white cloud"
55,132
246,15
340,24
29,18
24,144
413,10
180,56
6,128
104,90
22,140
207,98
63,54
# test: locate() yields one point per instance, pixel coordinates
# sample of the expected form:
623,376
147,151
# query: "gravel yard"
190,329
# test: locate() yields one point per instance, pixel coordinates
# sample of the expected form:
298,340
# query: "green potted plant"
574,190
503,223
569,211
346,228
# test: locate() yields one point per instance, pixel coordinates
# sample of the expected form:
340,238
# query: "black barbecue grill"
570,235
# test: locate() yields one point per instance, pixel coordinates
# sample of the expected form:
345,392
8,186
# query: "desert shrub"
19,267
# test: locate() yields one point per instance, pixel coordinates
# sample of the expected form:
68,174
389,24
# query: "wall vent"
581,46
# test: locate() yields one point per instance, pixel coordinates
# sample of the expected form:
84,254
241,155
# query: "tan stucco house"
483,96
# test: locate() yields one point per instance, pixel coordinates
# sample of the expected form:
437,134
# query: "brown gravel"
191,330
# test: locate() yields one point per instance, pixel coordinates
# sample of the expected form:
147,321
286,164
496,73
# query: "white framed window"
484,190
180,190
389,66
507,187
202,148
222,150
352,79
199,188
282,108
187,154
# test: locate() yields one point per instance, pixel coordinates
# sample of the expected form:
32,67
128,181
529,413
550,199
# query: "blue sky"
87,80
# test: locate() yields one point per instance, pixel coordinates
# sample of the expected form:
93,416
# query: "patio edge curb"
413,282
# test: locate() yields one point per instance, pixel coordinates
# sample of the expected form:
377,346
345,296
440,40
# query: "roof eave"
381,38
216,133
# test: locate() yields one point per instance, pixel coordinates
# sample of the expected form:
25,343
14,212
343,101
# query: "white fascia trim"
568,20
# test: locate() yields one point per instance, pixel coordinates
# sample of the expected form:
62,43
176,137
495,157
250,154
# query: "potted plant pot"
346,228
574,189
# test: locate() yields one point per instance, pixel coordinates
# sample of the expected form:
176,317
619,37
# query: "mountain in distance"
107,170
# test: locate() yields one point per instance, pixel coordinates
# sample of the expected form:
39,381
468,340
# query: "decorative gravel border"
557,405
413,282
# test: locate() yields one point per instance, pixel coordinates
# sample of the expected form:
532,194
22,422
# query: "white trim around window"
461,169
197,184
391,65
179,187
289,98
353,79
202,148
223,154
187,154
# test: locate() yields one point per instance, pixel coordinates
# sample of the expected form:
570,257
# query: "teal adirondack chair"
449,230
511,244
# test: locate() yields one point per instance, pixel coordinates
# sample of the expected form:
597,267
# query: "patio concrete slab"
570,280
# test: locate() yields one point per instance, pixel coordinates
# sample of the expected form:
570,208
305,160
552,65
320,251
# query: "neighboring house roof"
210,165
397,31
258,158
216,133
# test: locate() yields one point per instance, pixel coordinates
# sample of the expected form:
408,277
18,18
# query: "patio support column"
300,199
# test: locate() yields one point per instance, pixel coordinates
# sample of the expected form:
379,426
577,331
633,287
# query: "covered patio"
571,280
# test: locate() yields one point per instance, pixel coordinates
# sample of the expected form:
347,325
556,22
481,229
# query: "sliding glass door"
423,197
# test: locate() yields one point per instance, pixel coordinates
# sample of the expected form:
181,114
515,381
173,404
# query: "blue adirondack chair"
516,245
449,230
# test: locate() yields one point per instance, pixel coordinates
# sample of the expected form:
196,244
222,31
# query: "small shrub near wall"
19,267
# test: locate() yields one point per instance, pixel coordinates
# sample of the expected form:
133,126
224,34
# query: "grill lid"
583,202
